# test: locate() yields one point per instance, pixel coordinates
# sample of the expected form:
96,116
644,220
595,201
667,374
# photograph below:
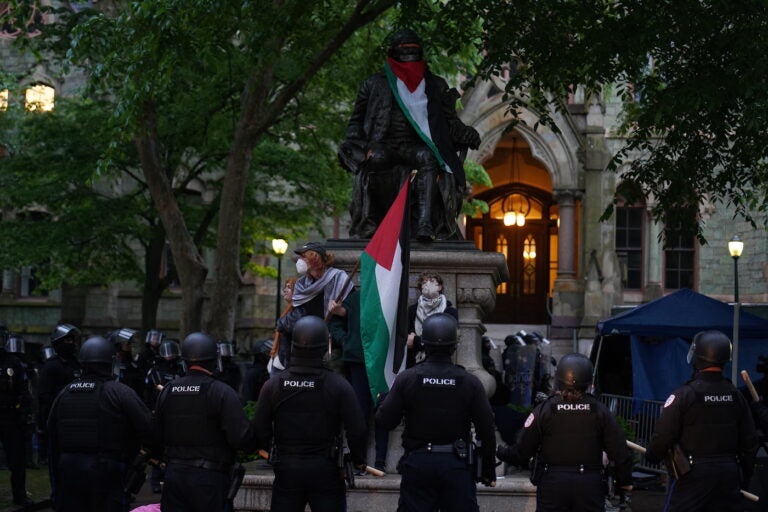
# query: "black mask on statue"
405,46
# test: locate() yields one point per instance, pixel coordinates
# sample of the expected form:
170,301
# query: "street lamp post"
735,247
279,246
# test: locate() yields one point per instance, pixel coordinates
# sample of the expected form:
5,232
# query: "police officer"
167,368
200,456
56,373
302,411
126,368
712,424
440,401
97,426
230,370
146,357
14,409
568,434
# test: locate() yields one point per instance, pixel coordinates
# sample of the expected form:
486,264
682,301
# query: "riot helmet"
199,347
14,344
64,338
122,338
709,348
574,372
440,329
154,338
97,350
169,350
226,349
64,331
405,46
310,337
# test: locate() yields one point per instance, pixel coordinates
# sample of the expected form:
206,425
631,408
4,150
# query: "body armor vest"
187,404
439,412
571,433
9,389
711,421
84,426
302,421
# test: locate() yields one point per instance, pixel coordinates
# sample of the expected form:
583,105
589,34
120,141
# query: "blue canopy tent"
660,332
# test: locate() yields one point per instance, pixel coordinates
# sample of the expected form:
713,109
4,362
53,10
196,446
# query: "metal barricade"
640,417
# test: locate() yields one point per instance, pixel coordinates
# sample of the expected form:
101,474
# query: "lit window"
4,99
502,246
529,265
39,98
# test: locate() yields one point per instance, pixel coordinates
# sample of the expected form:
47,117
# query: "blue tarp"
660,332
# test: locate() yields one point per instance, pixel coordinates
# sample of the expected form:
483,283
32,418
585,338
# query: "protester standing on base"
568,433
300,413
345,331
710,421
440,402
97,426
201,425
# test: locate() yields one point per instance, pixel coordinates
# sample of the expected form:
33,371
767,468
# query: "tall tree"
692,74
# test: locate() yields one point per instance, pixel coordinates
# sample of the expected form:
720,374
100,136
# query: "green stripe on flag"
392,79
373,327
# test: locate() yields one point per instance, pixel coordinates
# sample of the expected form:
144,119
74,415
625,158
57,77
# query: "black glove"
504,453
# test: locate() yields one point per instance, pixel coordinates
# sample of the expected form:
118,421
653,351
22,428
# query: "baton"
750,386
641,449
374,471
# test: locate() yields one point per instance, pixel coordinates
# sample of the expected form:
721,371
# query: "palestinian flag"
383,296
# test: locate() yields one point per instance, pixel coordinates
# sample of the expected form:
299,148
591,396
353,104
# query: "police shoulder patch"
669,401
529,420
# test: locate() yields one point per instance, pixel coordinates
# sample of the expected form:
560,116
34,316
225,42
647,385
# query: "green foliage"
693,74
476,175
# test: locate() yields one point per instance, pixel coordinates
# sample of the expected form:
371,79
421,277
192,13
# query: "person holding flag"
405,118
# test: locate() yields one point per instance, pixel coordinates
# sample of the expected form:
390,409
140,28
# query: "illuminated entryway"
521,224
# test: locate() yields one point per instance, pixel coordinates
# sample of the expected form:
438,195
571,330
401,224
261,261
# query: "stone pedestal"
470,278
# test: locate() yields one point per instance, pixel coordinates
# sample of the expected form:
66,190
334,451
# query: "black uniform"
55,374
97,426
201,425
160,375
568,439
302,411
230,374
439,401
14,409
711,422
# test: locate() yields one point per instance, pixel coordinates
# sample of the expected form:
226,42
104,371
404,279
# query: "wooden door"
522,300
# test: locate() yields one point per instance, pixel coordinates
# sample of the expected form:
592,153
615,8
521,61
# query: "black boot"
425,196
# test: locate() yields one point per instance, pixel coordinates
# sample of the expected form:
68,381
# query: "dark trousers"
307,480
12,438
89,483
358,378
708,487
189,489
436,481
570,490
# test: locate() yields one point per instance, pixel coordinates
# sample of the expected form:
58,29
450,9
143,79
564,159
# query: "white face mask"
301,266
430,289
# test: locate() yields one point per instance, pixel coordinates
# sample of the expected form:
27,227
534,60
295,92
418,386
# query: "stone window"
679,262
629,245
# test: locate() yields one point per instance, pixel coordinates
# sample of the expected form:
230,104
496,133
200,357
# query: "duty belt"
713,460
581,468
434,448
202,464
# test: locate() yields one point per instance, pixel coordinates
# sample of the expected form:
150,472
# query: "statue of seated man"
404,119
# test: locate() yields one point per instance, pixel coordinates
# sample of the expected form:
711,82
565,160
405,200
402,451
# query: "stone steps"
513,493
